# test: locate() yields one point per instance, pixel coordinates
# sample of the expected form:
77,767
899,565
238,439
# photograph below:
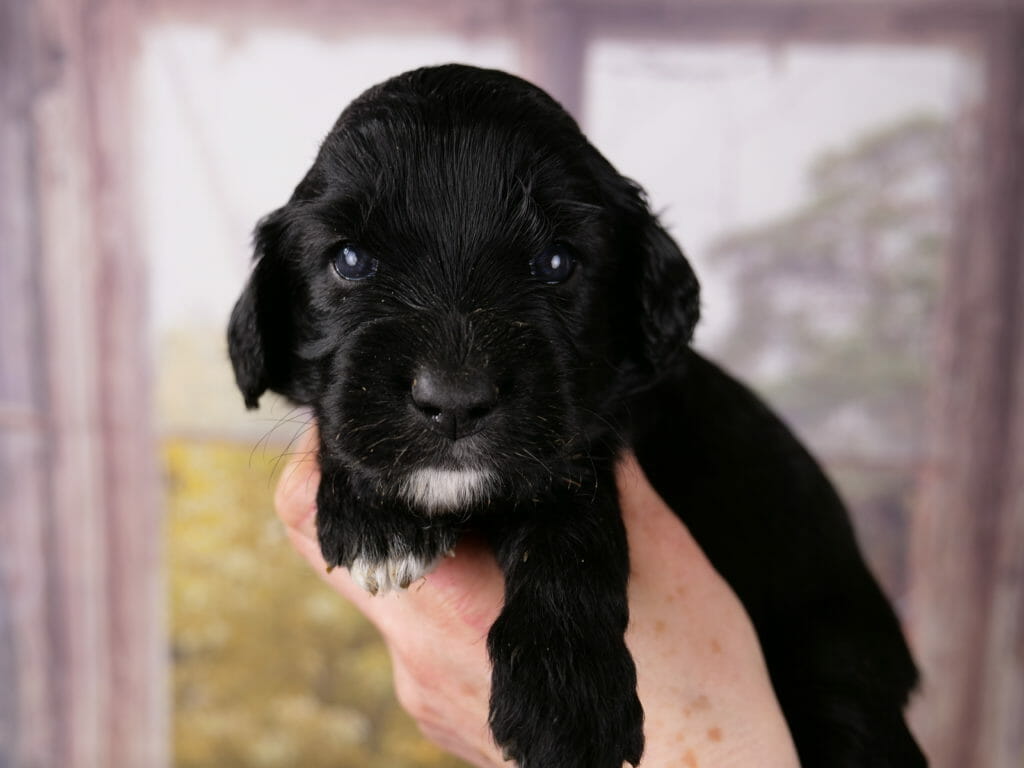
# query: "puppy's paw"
395,572
385,547
563,700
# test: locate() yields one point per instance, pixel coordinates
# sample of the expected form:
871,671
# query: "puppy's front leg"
564,683
384,544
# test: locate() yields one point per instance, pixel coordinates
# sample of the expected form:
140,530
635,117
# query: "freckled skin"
434,633
701,703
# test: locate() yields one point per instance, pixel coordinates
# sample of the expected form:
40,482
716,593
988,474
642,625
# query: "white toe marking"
393,573
446,489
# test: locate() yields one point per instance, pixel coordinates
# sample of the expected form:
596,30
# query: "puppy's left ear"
669,298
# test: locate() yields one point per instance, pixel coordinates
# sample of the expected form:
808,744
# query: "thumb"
466,589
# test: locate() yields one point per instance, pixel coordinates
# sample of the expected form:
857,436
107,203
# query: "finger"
458,600
655,531
667,566
295,497
466,588
295,502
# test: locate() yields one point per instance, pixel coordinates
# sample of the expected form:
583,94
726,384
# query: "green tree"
271,668
833,313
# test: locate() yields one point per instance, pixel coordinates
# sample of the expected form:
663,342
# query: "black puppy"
481,312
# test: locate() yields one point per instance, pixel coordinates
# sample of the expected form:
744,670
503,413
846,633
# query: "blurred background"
845,176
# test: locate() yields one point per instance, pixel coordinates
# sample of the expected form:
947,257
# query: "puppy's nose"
454,403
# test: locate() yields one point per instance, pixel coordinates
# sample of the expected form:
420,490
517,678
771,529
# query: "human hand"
700,672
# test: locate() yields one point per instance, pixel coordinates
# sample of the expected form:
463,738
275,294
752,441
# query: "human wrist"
727,717
689,734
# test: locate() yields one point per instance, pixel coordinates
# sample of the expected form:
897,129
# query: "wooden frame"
82,645
81,525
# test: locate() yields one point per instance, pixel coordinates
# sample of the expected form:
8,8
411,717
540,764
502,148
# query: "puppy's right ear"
261,330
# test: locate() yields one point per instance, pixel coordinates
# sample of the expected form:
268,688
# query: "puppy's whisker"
360,427
294,465
277,423
381,441
527,453
398,457
286,452
612,427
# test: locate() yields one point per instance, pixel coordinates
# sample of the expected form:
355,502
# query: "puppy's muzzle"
454,403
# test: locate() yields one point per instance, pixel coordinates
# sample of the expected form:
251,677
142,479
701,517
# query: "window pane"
812,187
270,668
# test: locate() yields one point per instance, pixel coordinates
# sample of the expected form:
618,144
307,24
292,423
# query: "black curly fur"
454,178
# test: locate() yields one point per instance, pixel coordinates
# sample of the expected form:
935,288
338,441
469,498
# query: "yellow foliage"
271,668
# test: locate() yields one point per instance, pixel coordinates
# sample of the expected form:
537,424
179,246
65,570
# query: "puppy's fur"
451,180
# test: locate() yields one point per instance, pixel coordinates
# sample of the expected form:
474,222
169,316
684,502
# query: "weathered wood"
137,728
337,19
81,578
26,696
760,21
74,545
552,45
82,672
776,22
967,578
1000,737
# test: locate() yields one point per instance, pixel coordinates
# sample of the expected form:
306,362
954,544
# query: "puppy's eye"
353,263
555,264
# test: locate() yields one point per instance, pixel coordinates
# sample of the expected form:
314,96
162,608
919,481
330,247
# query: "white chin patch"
393,573
440,490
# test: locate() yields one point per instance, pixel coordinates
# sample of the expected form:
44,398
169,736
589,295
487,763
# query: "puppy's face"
462,288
